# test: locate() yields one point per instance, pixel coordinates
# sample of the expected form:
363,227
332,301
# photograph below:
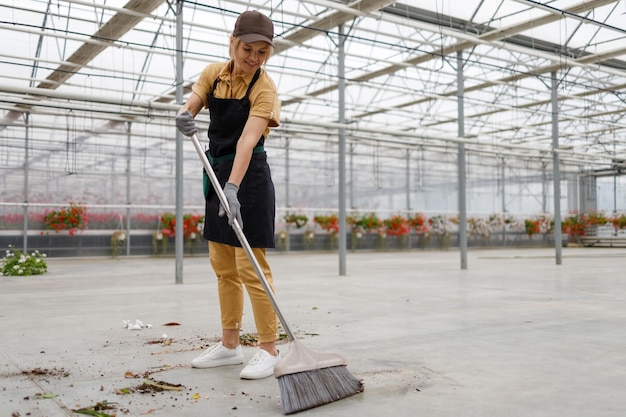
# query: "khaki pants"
234,270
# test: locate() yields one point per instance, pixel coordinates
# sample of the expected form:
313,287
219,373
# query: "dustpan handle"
240,235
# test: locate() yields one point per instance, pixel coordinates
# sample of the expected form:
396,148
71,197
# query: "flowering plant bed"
17,263
15,221
97,220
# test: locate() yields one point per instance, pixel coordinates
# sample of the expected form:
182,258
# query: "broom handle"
240,235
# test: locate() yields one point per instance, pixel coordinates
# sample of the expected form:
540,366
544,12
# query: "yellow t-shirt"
263,97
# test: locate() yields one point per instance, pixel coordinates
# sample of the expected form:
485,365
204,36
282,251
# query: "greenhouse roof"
90,67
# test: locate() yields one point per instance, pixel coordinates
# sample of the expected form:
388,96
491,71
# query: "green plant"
118,241
369,222
282,240
16,263
618,222
594,218
298,220
329,223
396,226
419,222
532,227
192,225
168,224
309,238
159,243
477,226
441,225
546,223
574,225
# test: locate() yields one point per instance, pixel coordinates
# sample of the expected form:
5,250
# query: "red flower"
396,226
329,223
419,222
191,224
72,219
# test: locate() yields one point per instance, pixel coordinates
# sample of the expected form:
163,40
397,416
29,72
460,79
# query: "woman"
243,105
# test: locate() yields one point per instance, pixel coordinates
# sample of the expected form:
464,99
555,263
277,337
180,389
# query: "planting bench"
604,241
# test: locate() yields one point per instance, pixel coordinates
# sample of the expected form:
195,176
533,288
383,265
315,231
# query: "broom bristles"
303,390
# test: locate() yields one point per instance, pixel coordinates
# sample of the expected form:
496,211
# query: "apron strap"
252,82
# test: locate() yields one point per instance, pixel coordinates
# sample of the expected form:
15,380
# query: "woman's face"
250,56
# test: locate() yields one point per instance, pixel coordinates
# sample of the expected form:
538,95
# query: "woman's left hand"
230,191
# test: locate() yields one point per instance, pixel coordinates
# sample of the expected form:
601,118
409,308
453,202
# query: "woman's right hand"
185,123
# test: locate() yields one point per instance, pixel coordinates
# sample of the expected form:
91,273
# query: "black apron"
256,191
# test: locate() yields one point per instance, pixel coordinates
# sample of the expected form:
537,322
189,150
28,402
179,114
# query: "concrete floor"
513,335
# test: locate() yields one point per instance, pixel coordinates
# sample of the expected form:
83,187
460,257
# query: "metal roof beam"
117,26
111,31
490,37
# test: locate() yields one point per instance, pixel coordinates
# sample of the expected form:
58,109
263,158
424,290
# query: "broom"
306,379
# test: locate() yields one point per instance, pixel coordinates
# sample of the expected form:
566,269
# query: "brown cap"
252,26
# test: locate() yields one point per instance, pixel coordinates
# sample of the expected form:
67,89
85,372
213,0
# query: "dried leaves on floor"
98,409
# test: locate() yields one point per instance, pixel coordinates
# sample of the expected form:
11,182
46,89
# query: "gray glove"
230,191
185,123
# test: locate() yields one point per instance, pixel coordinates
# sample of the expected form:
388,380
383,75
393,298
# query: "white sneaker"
218,355
260,366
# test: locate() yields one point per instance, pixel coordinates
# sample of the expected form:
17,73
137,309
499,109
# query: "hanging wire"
70,143
376,166
329,163
4,144
440,25
497,175
421,171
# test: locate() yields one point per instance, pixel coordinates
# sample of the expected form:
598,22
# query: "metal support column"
179,242
503,207
558,241
351,190
287,200
544,190
461,161
614,183
128,190
26,171
503,185
407,175
342,153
